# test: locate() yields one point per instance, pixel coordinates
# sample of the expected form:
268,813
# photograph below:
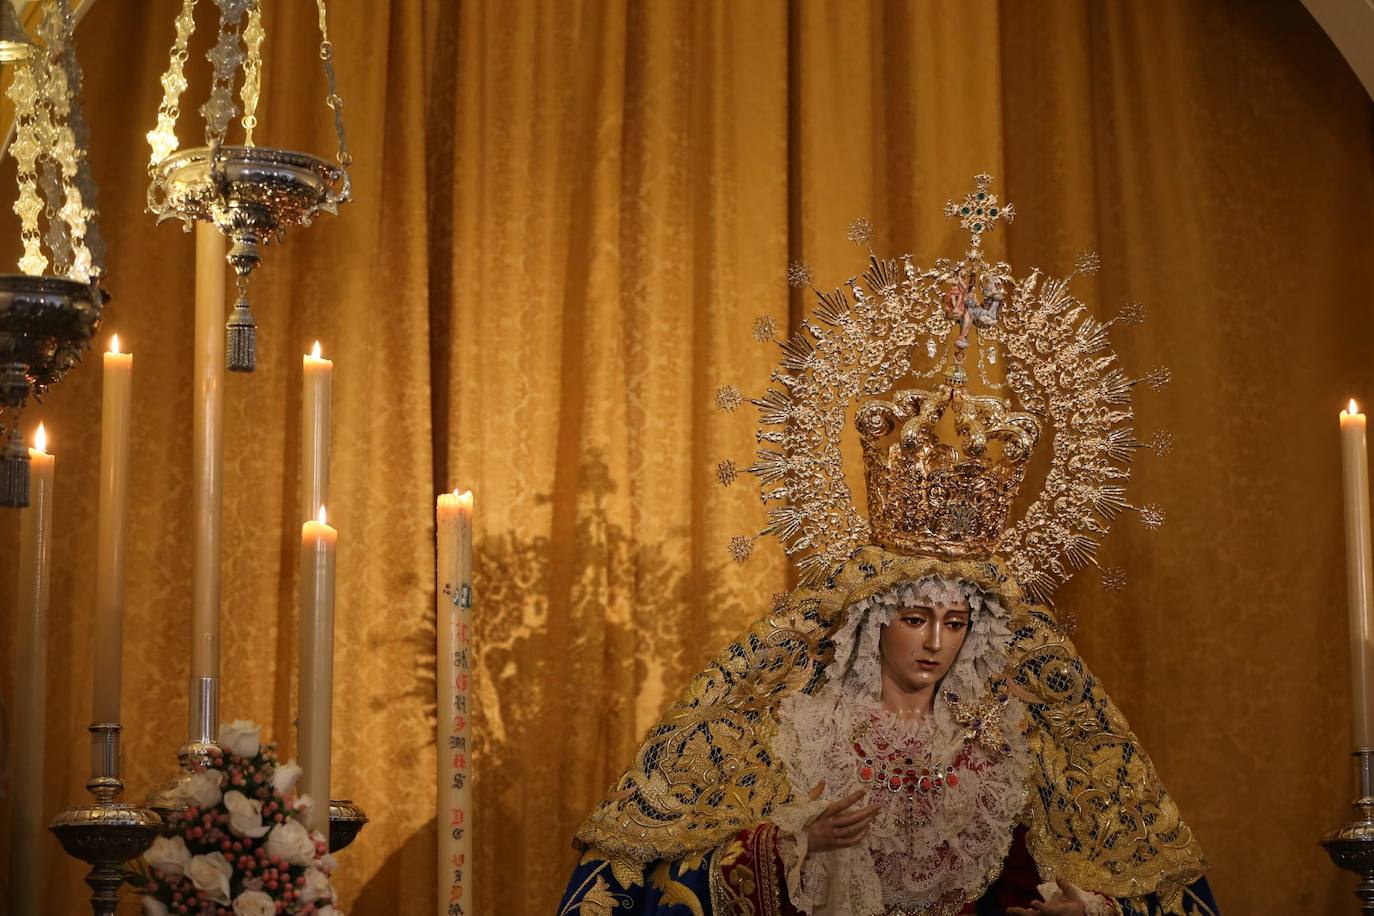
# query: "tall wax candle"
27,826
453,620
317,381
1359,571
109,559
318,544
207,462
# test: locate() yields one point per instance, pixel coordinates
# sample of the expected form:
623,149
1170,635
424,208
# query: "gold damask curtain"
567,217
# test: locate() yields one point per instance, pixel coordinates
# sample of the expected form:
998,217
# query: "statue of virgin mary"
911,731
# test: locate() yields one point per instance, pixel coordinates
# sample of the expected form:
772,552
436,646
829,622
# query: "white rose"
210,873
168,856
153,907
285,777
254,903
241,738
328,911
316,886
245,814
202,788
291,842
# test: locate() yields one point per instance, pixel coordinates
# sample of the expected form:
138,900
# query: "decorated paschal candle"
453,620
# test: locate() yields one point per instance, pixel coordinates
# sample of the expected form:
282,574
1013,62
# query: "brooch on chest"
982,721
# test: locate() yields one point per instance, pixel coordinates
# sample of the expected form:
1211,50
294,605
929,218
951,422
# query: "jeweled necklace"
896,769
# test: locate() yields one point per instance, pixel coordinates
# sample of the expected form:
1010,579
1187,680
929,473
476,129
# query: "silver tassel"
241,338
14,473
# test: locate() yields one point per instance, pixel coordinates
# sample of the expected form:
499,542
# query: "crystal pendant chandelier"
50,309
252,194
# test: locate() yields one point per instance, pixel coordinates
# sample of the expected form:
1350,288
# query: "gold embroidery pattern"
1100,816
754,885
674,892
599,900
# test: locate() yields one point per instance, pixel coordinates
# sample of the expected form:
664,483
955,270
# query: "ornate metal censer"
50,310
252,194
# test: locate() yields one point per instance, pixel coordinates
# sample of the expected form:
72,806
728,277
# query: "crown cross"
979,211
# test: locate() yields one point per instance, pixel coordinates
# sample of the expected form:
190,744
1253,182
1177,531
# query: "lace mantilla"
927,852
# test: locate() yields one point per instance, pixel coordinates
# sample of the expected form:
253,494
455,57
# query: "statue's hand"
1070,901
839,825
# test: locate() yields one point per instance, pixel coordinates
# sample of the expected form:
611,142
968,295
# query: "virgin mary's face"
921,643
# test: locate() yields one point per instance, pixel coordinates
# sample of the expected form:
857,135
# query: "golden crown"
897,347
926,497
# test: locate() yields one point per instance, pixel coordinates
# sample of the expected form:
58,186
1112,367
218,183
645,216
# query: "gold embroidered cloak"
1098,814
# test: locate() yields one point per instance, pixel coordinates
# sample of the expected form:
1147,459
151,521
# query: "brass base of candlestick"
1351,846
346,821
108,833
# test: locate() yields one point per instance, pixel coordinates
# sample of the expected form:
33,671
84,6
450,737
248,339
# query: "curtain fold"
567,220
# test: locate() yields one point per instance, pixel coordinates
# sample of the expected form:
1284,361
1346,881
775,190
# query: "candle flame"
465,498
40,439
114,343
1353,408
321,517
315,351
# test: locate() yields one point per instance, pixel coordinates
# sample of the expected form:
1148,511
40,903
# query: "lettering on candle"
453,608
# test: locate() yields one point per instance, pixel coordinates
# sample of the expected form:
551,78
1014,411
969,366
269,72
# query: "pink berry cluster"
206,830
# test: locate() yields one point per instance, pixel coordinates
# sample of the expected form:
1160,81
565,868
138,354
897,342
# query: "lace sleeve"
792,820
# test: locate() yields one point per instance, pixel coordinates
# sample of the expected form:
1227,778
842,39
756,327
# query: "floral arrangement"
241,847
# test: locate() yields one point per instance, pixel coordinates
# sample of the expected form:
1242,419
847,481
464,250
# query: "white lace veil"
856,670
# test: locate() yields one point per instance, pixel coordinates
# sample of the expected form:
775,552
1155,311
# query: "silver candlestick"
1352,846
196,754
109,833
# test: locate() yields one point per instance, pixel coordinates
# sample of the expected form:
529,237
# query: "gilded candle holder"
108,833
1351,846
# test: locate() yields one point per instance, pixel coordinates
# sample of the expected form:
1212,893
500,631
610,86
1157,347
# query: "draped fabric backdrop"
567,217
